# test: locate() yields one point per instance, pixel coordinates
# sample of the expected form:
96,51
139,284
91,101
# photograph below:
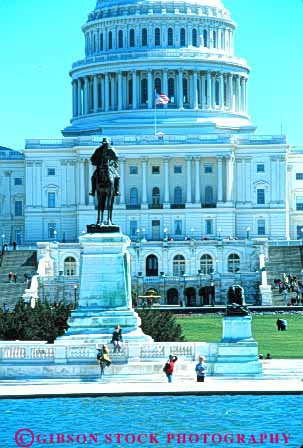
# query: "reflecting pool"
166,421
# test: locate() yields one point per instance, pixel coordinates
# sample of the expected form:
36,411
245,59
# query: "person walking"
117,338
201,369
169,367
103,358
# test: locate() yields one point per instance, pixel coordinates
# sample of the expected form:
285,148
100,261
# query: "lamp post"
164,292
199,273
247,232
184,286
138,235
192,233
75,295
3,239
165,230
55,235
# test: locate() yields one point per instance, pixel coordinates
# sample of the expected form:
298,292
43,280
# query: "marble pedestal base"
237,352
266,294
105,292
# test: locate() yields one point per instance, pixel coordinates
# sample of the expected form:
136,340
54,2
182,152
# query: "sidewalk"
212,386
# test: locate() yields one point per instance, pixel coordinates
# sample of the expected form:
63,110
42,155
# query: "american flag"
161,98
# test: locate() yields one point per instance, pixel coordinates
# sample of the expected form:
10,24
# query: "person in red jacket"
169,367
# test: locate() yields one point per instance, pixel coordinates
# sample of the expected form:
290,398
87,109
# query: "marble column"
195,90
80,111
134,77
209,91
242,87
229,178
91,200
248,185
221,91
144,183
75,98
238,98
188,180
86,95
203,101
166,181
120,92
197,180
230,92
122,180
106,92
213,89
95,94
81,182
220,179
150,89
180,88
63,164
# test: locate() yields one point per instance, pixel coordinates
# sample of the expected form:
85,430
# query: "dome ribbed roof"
210,3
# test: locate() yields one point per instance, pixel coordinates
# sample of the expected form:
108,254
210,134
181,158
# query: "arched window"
170,37
209,197
110,40
158,85
143,91
205,40
101,42
133,196
185,90
194,38
182,37
130,91
144,37
178,195
156,196
214,39
157,37
171,89
217,90
178,265
120,39
233,263
206,264
70,266
151,266
132,37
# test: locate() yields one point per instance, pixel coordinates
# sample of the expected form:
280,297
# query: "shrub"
161,326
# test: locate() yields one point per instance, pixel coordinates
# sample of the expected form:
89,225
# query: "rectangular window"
178,227
299,176
299,232
260,168
208,169
299,203
261,227
260,196
18,237
155,169
18,181
51,171
209,226
51,230
155,230
133,228
51,199
178,169
133,169
18,208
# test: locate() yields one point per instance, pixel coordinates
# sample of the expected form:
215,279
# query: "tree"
161,326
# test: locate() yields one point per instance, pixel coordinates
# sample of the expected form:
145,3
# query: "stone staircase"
282,369
19,262
283,259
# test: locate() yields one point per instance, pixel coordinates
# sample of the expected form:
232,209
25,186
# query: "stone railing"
41,352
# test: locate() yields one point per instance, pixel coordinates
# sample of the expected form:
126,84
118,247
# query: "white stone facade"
196,181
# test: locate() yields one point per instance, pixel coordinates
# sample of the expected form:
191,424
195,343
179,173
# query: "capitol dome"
137,50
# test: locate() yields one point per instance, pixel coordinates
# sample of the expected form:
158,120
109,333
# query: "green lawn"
281,344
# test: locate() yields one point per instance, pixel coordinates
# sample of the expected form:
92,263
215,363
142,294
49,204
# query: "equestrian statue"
105,180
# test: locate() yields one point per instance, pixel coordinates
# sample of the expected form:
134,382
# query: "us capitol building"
202,195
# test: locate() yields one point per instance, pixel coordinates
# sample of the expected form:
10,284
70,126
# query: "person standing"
169,367
117,338
201,369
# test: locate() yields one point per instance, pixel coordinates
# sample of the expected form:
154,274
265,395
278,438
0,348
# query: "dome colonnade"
182,49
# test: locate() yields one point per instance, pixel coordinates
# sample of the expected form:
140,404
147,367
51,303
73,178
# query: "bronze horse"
105,189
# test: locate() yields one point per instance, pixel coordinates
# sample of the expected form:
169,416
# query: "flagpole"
155,116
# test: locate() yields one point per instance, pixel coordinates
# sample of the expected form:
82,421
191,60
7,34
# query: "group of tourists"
290,284
105,361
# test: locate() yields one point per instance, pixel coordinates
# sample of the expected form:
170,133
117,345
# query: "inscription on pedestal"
93,228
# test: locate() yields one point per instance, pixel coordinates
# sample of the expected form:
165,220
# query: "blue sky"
39,40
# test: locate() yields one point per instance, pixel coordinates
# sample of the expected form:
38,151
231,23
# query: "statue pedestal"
266,294
105,292
238,351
